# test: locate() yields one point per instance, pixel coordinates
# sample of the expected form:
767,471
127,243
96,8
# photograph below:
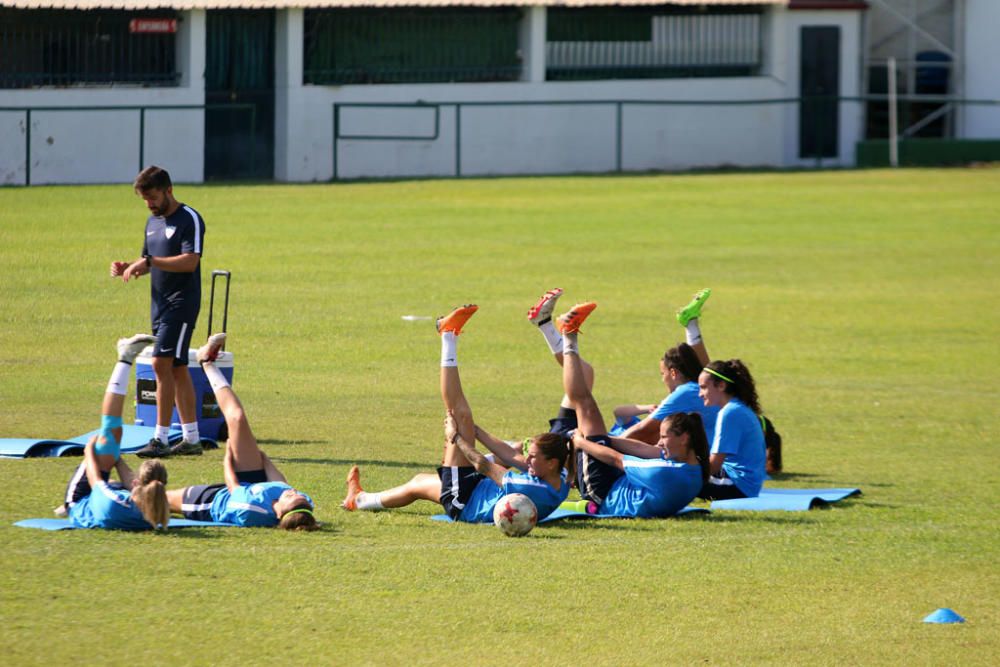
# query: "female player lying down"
468,484
255,492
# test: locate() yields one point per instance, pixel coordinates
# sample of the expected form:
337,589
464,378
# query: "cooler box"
211,423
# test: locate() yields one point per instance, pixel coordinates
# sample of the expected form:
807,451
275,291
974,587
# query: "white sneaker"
541,312
129,348
210,350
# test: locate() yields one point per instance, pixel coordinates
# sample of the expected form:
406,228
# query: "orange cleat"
570,322
541,312
353,489
457,318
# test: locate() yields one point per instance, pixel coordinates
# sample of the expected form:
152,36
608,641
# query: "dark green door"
819,112
239,95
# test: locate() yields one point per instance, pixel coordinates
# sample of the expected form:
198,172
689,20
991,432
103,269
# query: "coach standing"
171,254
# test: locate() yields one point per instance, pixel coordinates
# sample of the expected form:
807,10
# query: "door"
819,111
239,95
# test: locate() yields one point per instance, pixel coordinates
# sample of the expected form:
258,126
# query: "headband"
718,375
300,509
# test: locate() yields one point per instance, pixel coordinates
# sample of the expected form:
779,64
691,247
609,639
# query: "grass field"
865,302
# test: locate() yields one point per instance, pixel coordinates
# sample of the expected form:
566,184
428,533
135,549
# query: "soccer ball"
515,515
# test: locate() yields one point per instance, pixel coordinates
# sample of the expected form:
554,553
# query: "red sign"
152,25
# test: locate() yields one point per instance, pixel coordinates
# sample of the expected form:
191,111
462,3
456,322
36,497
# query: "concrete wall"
504,128
103,146
982,69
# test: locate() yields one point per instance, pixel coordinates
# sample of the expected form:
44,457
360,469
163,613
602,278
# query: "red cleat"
456,319
541,312
570,322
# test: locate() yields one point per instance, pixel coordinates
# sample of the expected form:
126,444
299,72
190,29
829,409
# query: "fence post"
458,140
27,147
618,137
142,138
893,118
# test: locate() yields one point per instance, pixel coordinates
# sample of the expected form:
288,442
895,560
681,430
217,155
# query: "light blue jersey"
249,505
739,436
652,488
682,399
107,508
479,507
685,399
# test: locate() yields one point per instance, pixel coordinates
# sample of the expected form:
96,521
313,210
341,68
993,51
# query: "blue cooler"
211,423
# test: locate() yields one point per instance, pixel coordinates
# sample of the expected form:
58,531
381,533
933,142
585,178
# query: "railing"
141,109
617,129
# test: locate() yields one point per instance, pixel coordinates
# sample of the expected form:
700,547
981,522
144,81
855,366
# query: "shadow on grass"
274,441
359,462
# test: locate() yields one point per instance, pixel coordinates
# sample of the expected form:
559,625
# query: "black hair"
683,359
153,178
739,383
690,423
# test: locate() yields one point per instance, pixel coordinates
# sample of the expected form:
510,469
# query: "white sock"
215,377
552,337
449,351
369,501
163,433
692,332
191,432
569,344
118,384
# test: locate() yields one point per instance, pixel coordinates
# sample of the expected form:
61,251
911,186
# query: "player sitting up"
622,477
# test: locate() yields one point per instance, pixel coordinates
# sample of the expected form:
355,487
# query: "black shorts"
197,501
594,478
457,485
251,476
720,488
173,339
79,485
563,424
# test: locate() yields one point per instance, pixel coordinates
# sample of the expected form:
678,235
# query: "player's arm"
482,464
93,467
183,263
625,412
125,473
229,470
504,452
271,471
599,452
648,430
636,448
715,462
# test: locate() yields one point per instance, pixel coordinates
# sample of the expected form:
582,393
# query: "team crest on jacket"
170,231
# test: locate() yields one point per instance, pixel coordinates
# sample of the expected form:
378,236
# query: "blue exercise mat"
788,500
65,524
561,514
134,438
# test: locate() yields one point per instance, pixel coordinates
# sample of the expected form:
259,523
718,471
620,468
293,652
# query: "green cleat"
693,310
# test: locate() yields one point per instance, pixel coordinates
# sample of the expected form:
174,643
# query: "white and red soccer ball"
515,515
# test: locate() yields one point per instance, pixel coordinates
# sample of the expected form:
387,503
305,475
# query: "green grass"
865,302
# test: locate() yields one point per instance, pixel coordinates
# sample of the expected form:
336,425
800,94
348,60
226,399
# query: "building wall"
505,128
103,146
982,72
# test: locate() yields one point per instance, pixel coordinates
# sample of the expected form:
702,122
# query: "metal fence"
250,109
41,47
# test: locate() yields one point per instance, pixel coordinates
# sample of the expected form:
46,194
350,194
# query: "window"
61,48
411,45
652,42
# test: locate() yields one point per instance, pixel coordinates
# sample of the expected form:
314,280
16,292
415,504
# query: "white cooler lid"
225,359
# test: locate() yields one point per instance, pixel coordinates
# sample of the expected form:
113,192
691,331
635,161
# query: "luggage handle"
211,307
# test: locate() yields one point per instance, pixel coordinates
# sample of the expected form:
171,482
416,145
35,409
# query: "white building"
314,90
